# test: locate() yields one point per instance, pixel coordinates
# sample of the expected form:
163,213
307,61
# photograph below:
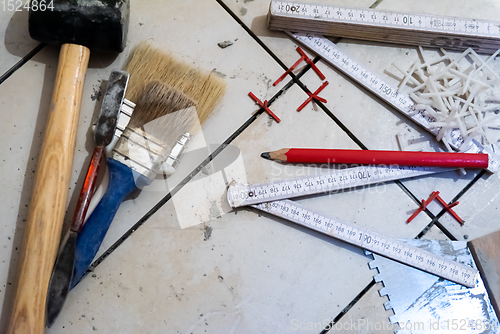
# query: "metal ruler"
386,26
240,195
400,101
389,247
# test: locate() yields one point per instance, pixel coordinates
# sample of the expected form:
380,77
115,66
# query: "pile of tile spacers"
447,207
312,96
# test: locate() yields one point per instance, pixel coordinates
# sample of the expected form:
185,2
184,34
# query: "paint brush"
62,273
148,64
161,116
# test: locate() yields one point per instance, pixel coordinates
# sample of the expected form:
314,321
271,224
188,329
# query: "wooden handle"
486,253
48,201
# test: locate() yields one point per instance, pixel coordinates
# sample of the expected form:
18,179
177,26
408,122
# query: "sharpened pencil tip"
266,155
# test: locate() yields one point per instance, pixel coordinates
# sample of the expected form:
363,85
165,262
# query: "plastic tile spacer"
423,206
303,56
310,62
447,208
263,105
314,96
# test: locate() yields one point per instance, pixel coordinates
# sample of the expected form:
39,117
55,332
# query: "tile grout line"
252,34
456,198
468,186
295,78
340,124
348,307
21,62
402,187
188,178
434,219
375,4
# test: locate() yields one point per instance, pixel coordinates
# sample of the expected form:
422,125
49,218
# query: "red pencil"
370,157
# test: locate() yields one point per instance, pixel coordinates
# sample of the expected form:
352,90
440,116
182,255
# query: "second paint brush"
161,116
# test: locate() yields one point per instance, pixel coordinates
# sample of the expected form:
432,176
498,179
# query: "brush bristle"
165,113
147,64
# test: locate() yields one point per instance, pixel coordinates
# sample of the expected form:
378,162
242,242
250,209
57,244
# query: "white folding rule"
400,101
274,198
385,26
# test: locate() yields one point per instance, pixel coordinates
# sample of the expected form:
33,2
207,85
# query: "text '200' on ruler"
386,26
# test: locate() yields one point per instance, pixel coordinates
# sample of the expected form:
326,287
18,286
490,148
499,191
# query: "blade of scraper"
110,107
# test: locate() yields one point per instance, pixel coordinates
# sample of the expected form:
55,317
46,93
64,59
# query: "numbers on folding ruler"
372,241
374,83
357,71
389,19
239,195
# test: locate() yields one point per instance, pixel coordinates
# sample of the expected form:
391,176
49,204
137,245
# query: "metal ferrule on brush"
141,152
177,151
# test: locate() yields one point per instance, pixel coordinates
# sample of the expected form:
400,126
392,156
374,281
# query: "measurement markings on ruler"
400,101
371,81
386,26
240,195
372,241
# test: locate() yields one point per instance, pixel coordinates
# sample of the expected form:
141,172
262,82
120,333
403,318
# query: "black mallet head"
97,24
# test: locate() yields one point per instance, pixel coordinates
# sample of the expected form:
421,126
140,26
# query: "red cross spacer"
314,96
447,208
263,105
303,57
422,207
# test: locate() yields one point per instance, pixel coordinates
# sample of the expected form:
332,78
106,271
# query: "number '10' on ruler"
386,26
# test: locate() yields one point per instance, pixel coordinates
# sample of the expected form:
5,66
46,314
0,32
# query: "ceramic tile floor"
191,265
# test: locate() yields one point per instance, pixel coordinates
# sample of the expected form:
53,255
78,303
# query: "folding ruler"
386,26
402,102
273,198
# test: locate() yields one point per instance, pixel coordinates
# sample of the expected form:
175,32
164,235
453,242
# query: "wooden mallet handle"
48,201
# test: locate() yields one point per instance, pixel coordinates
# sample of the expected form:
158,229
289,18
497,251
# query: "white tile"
29,90
254,15
478,207
242,237
368,315
244,65
14,34
242,273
